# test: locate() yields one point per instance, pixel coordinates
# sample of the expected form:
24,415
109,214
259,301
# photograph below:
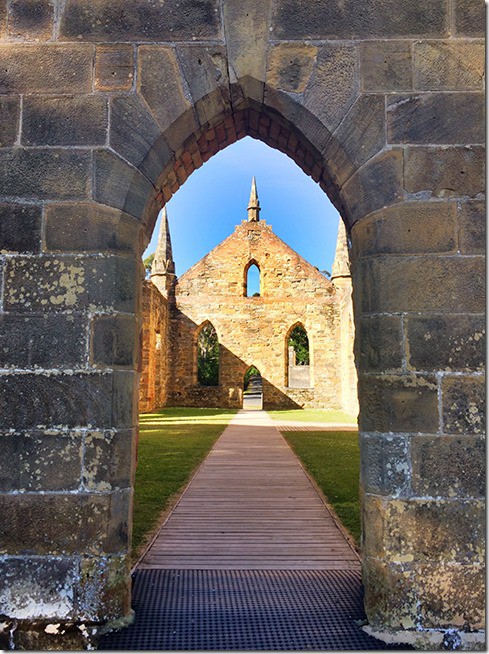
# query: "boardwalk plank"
251,507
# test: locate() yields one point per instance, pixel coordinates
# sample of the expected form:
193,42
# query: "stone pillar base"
433,639
61,636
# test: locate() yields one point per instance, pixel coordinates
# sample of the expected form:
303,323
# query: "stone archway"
353,104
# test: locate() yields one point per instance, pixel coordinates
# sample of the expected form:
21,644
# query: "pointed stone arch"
294,377
208,362
80,204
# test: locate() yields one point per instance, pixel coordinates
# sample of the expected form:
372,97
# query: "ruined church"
249,331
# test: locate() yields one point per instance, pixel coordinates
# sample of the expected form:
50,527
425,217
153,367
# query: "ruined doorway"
252,390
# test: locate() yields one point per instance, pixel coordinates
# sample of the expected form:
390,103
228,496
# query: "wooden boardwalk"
250,507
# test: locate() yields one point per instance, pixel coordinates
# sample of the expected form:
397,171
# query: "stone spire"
341,263
163,267
253,204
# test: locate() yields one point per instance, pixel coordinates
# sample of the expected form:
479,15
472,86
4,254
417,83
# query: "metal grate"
245,610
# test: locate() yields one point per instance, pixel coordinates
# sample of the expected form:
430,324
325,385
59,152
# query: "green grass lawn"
172,443
332,458
314,415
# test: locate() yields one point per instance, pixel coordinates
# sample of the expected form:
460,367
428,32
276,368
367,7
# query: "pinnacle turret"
341,263
163,268
254,203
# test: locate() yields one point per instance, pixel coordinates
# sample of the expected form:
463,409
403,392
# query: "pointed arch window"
207,356
252,280
298,358
252,389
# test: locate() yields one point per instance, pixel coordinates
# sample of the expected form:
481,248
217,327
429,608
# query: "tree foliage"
208,356
251,372
299,341
147,263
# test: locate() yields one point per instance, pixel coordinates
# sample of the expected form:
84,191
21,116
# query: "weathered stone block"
422,284
444,172
386,66
205,71
395,403
3,20
448,466
363,193
64,120
114,341
109,20
48,341
158,71
40,461
470,17
290,66
67,400
36,588
360,136
9,120
435,530
384,464
410,228
109,459
451,596
85,523
31,20
41,69
391,596
73,283
20,228
146,149
90,227
317,19
247,31
435,118
472,227
32,636
334,84
464,407
456,65
121,186
373,510
45,174
104,590
114,67
379,343
454,342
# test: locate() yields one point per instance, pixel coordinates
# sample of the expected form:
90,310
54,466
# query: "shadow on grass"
185,416
313,415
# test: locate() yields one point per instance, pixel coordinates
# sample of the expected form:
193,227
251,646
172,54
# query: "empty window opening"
208,356
298,368
253,389
252,282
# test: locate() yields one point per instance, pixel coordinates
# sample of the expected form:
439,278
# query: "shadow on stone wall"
229,393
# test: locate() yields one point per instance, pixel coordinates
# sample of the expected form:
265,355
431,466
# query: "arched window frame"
206,323
286,357
251,262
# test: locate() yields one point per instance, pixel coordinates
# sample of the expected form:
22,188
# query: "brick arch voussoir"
355,185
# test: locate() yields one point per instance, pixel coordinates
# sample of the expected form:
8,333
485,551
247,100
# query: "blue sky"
214,199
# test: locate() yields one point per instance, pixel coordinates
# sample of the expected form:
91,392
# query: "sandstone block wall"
153,384
255,330
382,106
